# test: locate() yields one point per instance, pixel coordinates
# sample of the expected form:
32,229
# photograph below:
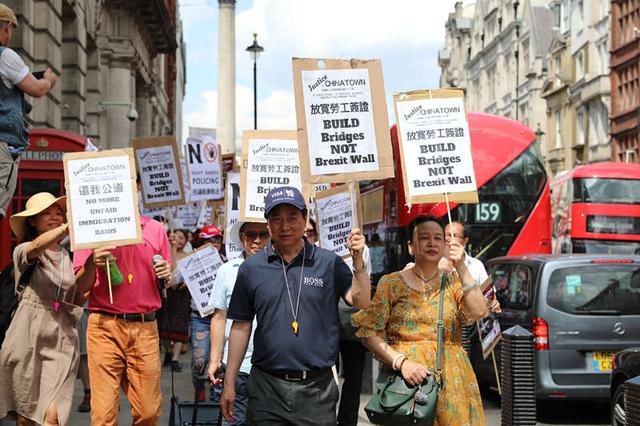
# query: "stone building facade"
625,80
116,59
499,58
577,88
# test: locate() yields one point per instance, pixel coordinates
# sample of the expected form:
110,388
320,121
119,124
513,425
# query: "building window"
628,87
557,65
558,131
579,65
603,57
525,56
565,15
580,128
579,16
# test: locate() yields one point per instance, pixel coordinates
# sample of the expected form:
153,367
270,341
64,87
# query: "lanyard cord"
286,282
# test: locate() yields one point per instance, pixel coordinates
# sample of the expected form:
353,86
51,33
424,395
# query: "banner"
269,160
199,270
232,213
435,146
334,212
102,202
204,167
372,206
160,177
343,124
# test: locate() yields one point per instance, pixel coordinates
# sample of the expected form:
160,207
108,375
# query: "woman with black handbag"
401,328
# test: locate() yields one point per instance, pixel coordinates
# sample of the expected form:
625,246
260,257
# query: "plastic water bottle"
114,272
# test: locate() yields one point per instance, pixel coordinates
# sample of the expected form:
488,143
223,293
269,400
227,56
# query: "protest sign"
102,204
372,206
199,270
160,177
318,187
269,160
204,168
343,125
189,214
228,162
489,327
435,147
231,213
334,212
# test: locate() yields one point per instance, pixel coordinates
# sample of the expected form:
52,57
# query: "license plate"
602,361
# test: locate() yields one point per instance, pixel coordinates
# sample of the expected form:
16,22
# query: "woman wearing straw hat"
39,356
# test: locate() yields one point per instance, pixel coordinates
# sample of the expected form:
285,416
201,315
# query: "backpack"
10,295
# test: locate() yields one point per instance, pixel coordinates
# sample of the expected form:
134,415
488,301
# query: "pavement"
584,414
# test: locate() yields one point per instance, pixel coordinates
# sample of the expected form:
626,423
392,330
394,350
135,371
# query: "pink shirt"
141,296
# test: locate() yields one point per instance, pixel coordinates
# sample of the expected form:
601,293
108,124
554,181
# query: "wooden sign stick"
109,281
495,368
446,198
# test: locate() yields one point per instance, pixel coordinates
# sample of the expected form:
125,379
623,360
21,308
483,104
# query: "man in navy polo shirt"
292,288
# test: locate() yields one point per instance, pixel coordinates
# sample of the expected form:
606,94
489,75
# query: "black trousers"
353,355
277,402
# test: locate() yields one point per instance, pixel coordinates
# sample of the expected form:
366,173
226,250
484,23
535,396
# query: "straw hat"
7,15
36,204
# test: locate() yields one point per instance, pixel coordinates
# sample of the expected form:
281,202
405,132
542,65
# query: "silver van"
582,309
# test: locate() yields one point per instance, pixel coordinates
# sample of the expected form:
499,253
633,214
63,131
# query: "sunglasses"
252,235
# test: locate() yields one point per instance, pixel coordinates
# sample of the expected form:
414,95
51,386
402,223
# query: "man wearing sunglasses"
252,237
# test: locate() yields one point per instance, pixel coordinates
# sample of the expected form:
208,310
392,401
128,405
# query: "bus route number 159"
488,213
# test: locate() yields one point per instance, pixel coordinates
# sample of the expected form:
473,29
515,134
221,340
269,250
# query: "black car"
626,365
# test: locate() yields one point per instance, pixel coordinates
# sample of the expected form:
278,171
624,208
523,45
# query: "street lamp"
254,50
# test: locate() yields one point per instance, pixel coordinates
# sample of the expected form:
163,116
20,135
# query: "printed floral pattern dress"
407,319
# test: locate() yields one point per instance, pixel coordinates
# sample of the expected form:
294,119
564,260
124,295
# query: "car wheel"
618,415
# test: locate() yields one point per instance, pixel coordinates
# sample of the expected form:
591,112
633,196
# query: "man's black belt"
151,316
296,375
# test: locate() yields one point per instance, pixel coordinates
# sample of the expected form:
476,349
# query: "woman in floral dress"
400,325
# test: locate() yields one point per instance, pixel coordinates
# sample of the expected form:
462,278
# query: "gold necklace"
425,283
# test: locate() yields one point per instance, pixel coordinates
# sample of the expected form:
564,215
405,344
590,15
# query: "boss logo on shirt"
315,282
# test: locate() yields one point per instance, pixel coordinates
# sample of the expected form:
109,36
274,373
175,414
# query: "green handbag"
397,403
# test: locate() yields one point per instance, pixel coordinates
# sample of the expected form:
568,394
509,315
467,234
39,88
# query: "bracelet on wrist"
395,360
467,287
402,362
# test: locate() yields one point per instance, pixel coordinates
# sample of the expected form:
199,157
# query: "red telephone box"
40,170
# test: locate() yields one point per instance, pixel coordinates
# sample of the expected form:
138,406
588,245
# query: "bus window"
507,200
607,191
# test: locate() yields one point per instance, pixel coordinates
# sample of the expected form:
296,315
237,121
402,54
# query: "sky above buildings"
404,34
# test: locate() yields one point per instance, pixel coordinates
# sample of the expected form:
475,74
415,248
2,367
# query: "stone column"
74,66
121,89
226,120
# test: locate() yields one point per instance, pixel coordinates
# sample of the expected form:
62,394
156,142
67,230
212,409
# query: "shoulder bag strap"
443,284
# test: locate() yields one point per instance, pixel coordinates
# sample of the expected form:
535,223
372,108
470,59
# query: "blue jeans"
241,401
200,329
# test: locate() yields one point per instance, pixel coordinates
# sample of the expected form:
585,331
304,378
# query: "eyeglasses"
252,235
457,237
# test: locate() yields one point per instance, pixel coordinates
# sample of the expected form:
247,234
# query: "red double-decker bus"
513,215
596,209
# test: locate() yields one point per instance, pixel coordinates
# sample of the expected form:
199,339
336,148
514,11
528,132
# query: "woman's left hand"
494,306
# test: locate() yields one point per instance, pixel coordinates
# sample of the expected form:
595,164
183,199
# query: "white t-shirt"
476,268
220,298
12,68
